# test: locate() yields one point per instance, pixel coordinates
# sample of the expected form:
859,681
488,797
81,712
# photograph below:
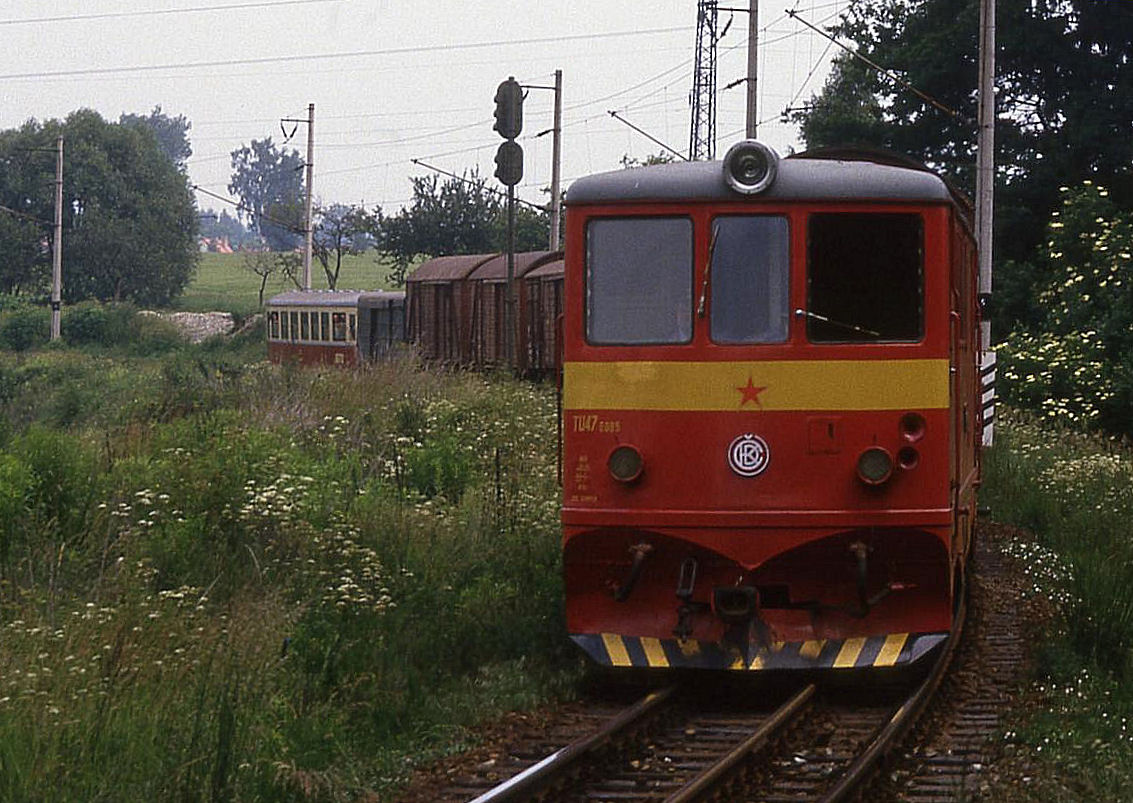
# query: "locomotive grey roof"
799,178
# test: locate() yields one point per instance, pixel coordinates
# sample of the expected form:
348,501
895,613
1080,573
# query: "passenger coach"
334,327
771,411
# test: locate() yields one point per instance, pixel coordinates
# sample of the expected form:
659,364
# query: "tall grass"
234,581
1074,492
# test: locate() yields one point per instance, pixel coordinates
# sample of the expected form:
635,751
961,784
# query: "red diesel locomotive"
771,411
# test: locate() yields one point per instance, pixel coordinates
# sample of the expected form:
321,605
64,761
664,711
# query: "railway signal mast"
509,170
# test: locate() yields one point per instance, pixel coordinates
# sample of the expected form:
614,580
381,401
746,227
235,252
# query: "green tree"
172,132
23,266
129,220
266,264
457,216
268,180
340,230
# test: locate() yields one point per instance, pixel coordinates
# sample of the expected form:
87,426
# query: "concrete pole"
752,68
57,245
556,161
985,167
309,229
985,212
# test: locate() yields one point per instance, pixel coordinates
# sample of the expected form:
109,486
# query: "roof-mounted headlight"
750,166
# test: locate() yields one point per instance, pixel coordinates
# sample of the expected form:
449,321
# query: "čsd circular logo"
748,455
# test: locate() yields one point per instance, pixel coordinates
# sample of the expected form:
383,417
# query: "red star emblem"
750,392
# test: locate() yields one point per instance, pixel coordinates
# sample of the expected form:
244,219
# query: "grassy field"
1074,493
222,282
222,579
230,581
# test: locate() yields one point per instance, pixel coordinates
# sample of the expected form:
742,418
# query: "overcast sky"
394,81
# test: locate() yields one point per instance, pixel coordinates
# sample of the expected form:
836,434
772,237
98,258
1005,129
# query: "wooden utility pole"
556,159
752,68
307,225
57,245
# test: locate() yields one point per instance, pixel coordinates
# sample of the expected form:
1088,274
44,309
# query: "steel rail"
903,717
722,768
526,783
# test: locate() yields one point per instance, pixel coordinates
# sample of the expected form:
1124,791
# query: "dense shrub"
23,327
1078,364
62,487
15,491
93,323
151,336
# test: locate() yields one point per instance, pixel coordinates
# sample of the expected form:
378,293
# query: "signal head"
509,163
509,109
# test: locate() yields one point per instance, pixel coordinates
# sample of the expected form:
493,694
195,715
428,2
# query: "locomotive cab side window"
639,280
749,279
865,278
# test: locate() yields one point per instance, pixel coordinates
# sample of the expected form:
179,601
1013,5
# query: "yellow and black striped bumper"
894,649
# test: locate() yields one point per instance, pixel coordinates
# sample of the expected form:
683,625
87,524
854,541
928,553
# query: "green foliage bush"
151,336
24,326
15,492
91,322
440,467
62,488
1077,365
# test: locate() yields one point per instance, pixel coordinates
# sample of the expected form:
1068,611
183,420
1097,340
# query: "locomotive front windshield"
639,280
749,276
865,277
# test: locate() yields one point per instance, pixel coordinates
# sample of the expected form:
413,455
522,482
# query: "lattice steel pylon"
702,138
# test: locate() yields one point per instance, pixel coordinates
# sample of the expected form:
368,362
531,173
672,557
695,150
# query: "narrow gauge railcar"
334,327
771,412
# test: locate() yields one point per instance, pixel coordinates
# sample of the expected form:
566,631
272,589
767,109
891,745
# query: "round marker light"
875,465
908,458
750,166
912,427
625,464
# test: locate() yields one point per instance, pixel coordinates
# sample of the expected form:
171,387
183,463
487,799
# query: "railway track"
679,746
665,743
